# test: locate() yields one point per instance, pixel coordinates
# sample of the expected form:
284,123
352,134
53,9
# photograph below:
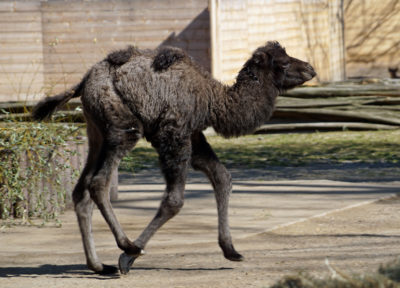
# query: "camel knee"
96,188
80,197
222,179
225,178
172,205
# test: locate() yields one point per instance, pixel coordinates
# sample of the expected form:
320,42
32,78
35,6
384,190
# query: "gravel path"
280,226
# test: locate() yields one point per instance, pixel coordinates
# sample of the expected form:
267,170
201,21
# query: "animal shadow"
58,271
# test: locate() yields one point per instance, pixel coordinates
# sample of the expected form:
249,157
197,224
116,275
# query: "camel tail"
46,107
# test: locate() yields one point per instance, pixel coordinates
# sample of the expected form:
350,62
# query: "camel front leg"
174,163
205,160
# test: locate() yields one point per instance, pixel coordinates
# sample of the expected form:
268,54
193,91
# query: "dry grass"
388,276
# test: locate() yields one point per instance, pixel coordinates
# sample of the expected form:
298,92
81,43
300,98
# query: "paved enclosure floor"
279,226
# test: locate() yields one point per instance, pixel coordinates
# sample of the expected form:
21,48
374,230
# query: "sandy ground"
281,227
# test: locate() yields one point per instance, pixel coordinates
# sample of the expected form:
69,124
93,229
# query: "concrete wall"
46,46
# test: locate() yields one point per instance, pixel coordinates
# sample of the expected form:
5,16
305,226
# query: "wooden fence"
47,46
310,30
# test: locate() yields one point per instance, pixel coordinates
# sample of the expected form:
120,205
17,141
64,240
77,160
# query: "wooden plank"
388,110
27,48
132,25
93,39
20,37
14,73
101,28
127,15
322,126
20,58
313,104
298,103
23,27
20,17
334,115
121,5
26,107
342,91
172,13
63,116
383,102
18,6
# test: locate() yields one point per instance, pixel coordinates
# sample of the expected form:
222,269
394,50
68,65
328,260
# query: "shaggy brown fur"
166,57
120,57
167,98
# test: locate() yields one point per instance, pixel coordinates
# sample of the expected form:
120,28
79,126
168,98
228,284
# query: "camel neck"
241,108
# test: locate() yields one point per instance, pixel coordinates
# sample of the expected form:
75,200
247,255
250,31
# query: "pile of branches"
368,104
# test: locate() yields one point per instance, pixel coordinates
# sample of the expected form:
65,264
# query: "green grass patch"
260,151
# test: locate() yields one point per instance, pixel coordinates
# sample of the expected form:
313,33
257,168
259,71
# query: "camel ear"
262,58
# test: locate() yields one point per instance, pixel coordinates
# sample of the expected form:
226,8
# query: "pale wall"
46,46
308,29
372,37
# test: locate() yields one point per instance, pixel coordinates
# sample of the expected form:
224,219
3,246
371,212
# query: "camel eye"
285,66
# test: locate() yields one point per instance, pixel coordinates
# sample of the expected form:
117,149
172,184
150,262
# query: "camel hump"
166,57
120,57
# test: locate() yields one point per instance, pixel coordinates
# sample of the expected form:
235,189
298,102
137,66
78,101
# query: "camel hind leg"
105,153
84,205
116,144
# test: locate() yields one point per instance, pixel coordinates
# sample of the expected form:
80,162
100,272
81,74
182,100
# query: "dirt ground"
281,227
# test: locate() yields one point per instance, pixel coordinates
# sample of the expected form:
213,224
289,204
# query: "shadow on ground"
347,172
81,271
58,271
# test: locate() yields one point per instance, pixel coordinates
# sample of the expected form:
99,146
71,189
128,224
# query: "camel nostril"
311,70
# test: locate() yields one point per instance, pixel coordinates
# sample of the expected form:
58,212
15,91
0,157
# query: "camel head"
271,62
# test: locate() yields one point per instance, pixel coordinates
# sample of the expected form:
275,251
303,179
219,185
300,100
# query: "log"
315,103
291,102
321,126
344,91
390,111
383,102
62,116
24,107
333,115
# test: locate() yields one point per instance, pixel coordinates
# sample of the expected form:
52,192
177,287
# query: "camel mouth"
308,75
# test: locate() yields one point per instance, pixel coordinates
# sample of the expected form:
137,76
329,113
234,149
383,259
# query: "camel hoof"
234,257
125,261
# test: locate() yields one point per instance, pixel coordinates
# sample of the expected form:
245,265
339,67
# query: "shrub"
33,159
